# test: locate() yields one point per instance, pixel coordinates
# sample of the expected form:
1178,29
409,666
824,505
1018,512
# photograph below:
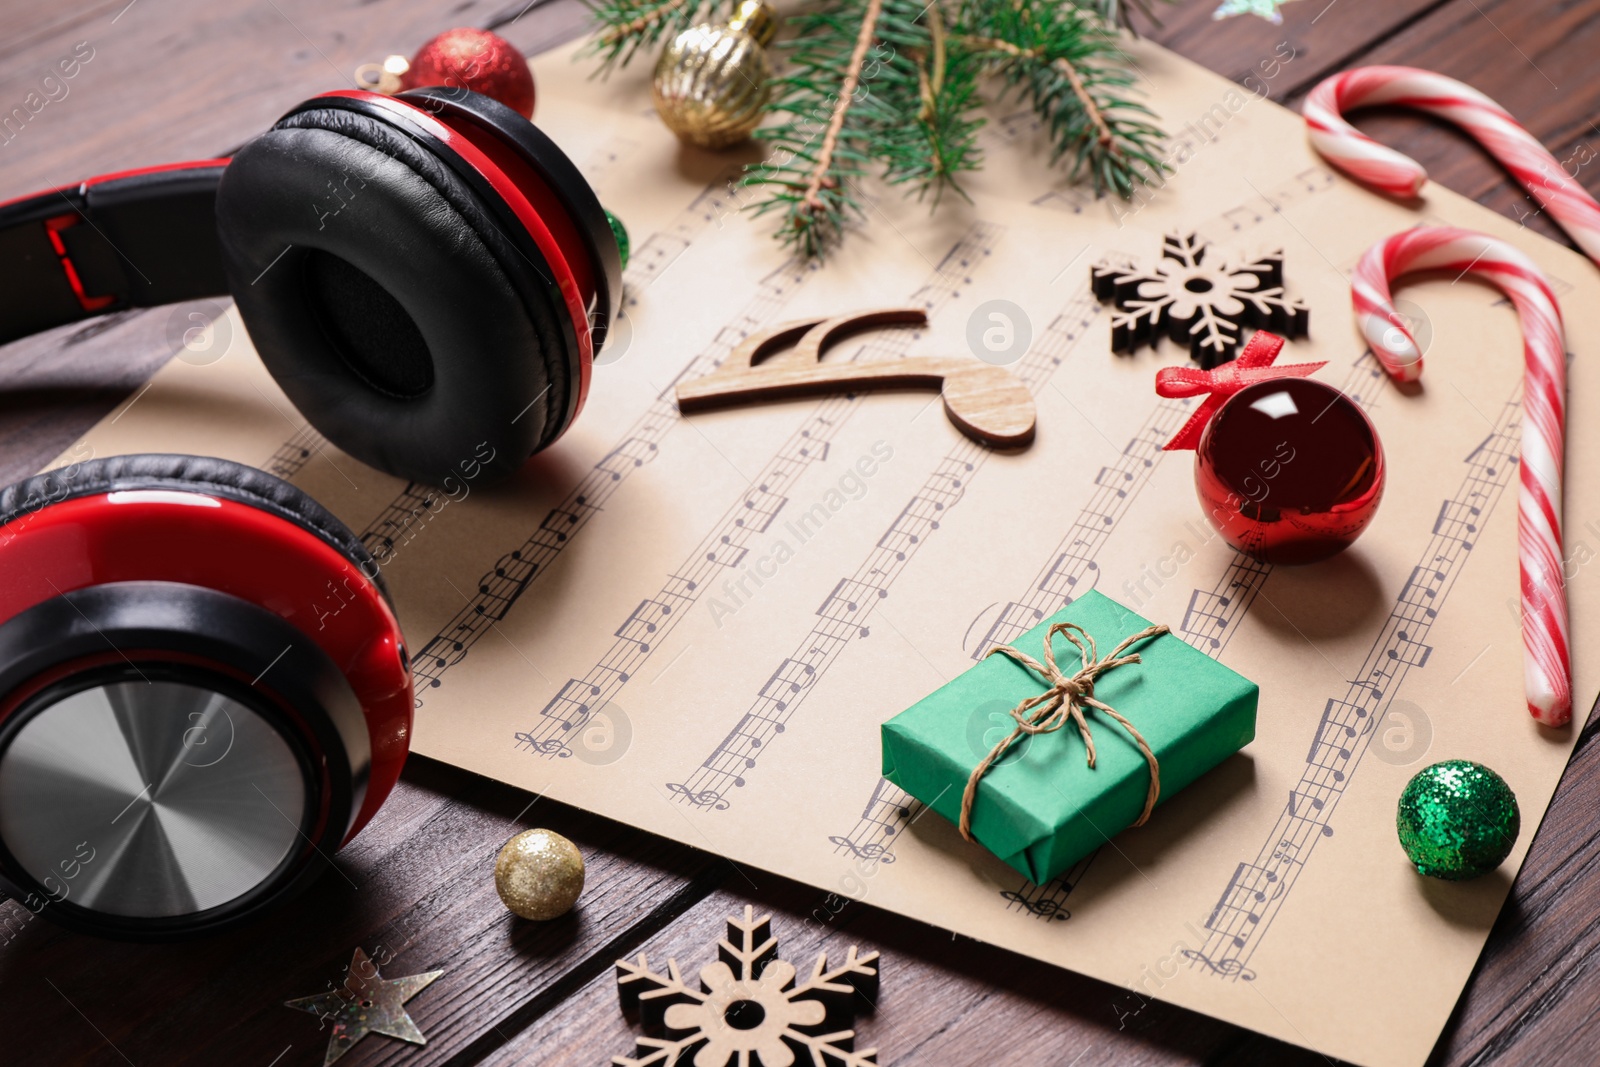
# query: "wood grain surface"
175,79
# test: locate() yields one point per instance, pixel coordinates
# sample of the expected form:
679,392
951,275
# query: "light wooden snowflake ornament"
1204,306
748,1010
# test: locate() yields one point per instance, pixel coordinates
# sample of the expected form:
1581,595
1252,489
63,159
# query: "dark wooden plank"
416,889
58,384
184,79
1533,996
170,91
180,80
1322,37
944,1000
1536,60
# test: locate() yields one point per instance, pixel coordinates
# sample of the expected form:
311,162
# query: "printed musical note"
843,615
570,707
1116,479
847,600
1258,209
1224,968
873,850
791,676
1012,621
1458,521
499,588
1346,726
761,507
1412,653
1062,578
1341,723
721,556
401,520
1240,906
291,456
1205,617
642,622
916,520
700,798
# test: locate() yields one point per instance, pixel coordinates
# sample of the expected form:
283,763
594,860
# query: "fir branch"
870,84
811,203
629,25
942,143
893,86
1068,64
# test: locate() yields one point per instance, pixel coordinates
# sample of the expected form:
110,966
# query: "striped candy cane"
1371,163
1547,667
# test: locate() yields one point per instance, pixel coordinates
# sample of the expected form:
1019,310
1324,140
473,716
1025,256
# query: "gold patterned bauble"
539,874
712,80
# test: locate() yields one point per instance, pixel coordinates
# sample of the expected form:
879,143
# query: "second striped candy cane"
1547,667
1383,168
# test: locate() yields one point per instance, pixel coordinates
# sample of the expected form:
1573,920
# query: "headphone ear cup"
385,301
195,474
201,647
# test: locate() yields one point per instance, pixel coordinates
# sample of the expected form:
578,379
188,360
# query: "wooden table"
177,79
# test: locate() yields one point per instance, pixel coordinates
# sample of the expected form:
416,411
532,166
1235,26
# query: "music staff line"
1063,575
1213,615
1058,583
291,456
1258,888
843,615
499,588
653,255
1240,581
1071,568
725,546
403,518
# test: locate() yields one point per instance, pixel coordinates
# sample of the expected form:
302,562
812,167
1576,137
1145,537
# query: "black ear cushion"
561,174
381,297
208,474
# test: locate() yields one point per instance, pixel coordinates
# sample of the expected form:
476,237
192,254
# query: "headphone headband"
136,238
471,286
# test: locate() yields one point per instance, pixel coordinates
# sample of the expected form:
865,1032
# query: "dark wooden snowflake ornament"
748,1010
1205,306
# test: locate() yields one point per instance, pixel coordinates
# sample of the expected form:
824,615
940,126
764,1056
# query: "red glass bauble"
1289,470
478,60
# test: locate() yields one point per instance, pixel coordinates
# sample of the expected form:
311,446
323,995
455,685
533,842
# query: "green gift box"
1040,808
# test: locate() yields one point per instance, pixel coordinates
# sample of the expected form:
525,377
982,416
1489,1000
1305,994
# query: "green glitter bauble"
621,233
1457,819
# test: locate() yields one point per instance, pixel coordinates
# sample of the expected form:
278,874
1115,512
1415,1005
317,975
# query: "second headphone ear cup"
387,304
196,474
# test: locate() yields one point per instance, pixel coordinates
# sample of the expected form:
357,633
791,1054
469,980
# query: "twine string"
1064,702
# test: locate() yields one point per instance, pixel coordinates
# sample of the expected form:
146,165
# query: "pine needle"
892,87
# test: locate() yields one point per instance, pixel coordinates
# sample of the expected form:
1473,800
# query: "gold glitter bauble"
539,874
711,81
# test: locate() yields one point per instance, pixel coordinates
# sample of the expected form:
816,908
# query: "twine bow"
1253,365
1063,701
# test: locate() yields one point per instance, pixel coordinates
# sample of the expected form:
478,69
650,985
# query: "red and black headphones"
421,273
204,691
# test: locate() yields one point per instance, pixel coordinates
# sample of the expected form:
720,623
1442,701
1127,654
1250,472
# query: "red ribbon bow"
1253,365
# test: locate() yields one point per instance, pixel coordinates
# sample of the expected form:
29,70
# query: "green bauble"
620,232
1457,820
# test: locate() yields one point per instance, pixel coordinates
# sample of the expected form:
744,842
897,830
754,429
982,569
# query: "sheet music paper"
696,626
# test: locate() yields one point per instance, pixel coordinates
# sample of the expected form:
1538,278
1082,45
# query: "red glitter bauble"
478,60
1289,470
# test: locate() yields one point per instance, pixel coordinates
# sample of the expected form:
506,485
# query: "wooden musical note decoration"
986,402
